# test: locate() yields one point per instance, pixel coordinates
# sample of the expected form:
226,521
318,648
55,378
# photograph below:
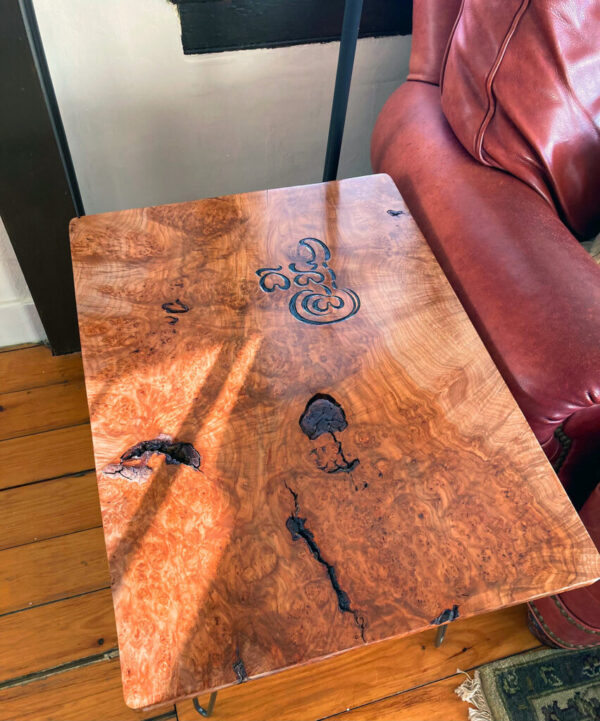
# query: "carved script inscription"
318,299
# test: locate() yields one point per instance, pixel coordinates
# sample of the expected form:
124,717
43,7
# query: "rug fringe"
471,692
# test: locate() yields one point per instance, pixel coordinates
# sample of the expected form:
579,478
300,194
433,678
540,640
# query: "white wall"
19,321
147,125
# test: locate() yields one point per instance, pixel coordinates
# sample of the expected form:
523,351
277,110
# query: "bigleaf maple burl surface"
301,443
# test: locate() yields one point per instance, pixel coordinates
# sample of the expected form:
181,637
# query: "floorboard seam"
86,422
64,381
23,346
55,600
73,474
75,381
49,538
423,685
61,668
385,698
62,428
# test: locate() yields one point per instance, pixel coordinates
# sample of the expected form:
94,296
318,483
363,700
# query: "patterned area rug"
549,685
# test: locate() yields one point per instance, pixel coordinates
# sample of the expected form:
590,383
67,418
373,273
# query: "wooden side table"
302,444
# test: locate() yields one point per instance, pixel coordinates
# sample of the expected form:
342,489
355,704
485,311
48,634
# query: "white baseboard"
20,323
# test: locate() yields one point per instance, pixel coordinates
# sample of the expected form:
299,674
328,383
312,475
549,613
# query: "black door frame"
39,193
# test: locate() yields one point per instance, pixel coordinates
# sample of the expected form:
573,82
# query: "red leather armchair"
495,208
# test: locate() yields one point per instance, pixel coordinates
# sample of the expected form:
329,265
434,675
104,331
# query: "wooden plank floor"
58,643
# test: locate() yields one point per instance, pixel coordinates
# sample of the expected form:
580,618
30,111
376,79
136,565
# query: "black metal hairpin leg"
206,712
350,28
440,635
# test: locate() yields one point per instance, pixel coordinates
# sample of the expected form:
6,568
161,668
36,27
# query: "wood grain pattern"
48,509
49,570
368,673
64,405
61,697
55,634
434,702
46,455
36,366
241,542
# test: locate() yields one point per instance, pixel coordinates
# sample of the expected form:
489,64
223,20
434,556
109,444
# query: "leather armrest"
530,289
572,619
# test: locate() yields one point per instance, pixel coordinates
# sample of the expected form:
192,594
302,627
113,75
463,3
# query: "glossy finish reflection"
274,491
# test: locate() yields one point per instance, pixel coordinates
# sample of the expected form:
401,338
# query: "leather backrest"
432,25
521,90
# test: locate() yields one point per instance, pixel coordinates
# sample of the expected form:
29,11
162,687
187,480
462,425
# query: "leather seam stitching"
565,447
491,109
449,43
539,618
571,619
416,79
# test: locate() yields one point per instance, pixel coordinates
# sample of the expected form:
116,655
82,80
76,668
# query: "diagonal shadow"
160,484
186,648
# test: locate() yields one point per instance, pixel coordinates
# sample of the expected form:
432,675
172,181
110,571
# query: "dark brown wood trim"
38,192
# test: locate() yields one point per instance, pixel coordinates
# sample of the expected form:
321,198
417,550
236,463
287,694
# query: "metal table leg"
206,712
440,635
343,78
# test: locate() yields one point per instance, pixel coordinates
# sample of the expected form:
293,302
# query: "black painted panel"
209,26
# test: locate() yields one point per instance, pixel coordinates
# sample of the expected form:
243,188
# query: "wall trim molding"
36,193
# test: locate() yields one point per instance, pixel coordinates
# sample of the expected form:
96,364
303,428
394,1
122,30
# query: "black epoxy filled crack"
175,306
448,614
323,415
175,453
297,528
345,466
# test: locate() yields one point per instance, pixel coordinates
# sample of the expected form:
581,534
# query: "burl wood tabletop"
302,445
